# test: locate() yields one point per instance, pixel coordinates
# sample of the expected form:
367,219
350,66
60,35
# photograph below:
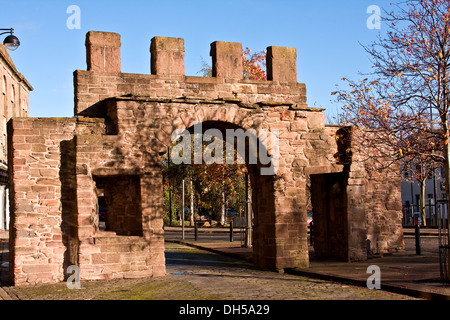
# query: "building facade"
435,198
14,100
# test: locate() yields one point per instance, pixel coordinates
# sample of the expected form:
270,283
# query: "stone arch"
265,254
280,215
192,114
121,129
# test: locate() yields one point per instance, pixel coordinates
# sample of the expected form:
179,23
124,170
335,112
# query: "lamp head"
11,42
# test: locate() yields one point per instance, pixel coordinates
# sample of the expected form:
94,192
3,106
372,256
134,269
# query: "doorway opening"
330,231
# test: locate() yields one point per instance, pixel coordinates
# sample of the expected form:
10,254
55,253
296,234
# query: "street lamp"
11,42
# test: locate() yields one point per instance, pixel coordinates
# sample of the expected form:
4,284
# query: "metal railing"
435,214
437,217
444,239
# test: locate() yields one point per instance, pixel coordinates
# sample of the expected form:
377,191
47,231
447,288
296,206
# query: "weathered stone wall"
114,148
143,126
37,170
170,100
367,205
375,207
384,211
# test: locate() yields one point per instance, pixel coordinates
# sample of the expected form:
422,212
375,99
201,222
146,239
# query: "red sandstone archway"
263,198
123,125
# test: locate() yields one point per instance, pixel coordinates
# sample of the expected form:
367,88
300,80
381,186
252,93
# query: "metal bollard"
417,235
231,231
196,230
368,244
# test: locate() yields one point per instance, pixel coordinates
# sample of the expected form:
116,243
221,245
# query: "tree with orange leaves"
402,106
254,65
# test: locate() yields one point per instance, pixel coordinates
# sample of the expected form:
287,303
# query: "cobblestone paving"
237,280
198,275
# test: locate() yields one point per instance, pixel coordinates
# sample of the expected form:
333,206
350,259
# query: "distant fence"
435,214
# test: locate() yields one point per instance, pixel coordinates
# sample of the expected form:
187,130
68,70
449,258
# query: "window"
13,109
119,204
24,109
5,102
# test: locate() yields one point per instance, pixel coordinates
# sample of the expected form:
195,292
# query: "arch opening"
224,183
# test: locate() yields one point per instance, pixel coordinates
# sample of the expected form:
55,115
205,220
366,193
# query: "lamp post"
11,42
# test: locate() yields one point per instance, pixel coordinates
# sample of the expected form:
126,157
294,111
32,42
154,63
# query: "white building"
434,198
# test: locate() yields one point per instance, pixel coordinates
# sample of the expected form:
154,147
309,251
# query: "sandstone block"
103,51
227,60
167,56
282,64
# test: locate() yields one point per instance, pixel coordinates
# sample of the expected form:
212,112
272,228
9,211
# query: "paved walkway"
404,273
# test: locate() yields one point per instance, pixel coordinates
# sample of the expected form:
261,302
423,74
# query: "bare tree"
402,106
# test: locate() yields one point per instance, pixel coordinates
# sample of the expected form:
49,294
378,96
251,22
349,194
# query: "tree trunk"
192,204
222,218
447,188
170,205
422,201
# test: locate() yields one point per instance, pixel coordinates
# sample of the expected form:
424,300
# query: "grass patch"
166,288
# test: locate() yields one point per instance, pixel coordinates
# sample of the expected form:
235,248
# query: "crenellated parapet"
104,78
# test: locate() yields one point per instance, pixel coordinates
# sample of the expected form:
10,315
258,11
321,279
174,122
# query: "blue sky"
326,34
